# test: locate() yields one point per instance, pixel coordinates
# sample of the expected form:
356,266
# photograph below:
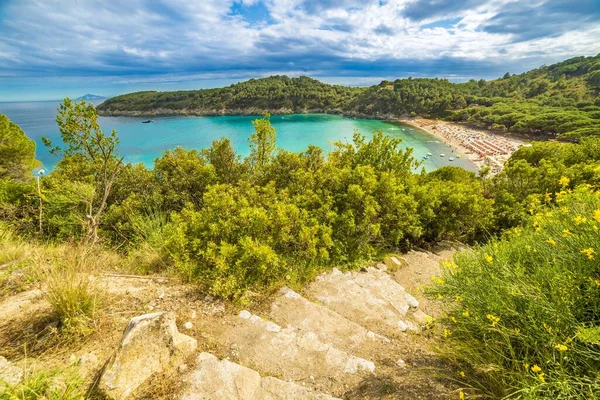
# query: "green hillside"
556,100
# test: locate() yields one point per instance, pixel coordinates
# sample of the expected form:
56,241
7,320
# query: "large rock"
151,343
215,379
9,373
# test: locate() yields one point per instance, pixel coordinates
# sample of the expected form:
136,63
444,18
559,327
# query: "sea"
143,143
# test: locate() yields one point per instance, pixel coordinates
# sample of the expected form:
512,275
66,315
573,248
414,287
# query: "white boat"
451,159
429,154
442,155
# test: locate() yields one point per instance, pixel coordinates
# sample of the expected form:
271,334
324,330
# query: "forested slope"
560,99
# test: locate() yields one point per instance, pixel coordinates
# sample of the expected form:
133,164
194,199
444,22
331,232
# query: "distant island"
90,97
560,100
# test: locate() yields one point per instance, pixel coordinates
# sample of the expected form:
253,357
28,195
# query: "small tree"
88,155
262,142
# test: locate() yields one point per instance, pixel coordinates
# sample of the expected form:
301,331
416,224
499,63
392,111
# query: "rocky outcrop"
151,343
224,380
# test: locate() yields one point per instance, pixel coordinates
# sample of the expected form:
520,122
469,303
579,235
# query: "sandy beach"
482,147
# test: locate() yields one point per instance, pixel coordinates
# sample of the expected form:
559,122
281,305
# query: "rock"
188,325
151,343
9,373
215,379
88,364
401,363
421,317
396,261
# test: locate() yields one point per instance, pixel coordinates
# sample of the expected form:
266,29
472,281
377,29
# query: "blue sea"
145,142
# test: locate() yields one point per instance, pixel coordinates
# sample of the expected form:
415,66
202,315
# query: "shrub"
73,295
246,238
526,320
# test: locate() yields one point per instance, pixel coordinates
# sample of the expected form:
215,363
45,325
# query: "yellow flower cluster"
561,347
579,220
597,215
589,253
493,319
564,181
488,258
551,241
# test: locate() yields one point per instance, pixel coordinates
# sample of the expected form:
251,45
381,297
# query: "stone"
188,325
151,343
9,373
88,364
215,379
401,363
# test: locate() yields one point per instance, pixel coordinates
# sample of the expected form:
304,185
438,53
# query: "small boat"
451,159
458,156
429,154
442,155
147,121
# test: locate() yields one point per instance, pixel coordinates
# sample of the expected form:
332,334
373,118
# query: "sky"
50,49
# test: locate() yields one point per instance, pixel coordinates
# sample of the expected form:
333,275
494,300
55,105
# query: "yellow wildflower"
541,378
547,197
526,365
528,247
548,328
579,220
439,296
453,319
561,347
564,181
597,215
465,313
551,241
488,258
589,253
447,333
461,395
536,368
517,331
462,373
566,233
493,319
457,299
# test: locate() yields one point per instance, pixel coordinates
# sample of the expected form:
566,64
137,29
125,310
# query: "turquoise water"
145,142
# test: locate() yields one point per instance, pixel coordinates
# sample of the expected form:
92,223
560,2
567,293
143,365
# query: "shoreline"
482,147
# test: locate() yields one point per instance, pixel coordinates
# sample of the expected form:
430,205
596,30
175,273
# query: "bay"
145,142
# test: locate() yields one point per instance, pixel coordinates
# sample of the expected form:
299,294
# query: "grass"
525,316
72,293
52,384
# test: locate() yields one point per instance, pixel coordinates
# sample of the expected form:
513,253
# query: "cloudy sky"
55,48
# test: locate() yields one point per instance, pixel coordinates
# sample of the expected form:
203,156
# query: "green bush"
247,238
526,315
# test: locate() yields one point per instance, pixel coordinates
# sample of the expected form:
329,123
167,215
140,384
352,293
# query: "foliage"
17,151
526,306
537,170
556,100
53,384
72,294
256,96
89,157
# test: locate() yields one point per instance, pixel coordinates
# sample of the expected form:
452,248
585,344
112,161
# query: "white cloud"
203,36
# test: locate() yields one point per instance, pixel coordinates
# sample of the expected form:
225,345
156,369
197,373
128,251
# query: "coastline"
482,147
